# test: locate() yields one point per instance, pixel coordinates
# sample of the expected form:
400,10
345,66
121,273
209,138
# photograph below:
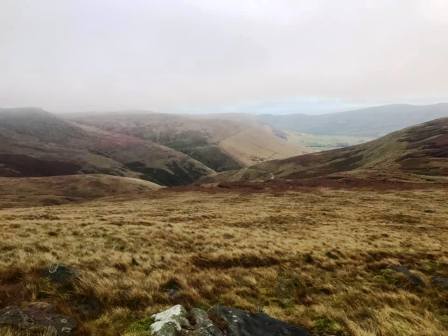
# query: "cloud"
164,55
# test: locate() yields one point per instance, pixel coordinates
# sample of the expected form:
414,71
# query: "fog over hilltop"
201,56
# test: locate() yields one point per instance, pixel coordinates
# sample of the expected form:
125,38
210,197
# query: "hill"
416,153
36,143
368,122
55,190
339,262
221,143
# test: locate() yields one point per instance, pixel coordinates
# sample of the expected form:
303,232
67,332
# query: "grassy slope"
218,142
257,144
317,143
410,153
36,143
38,191
318,258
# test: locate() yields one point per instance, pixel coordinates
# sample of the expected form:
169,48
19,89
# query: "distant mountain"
369,122
36,143
219,143
418,153
163,148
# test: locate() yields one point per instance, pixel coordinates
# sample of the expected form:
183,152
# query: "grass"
319,258
318,142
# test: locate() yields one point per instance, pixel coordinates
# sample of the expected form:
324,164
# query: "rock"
241,323
440,282
164,328
170,321
60,274
203,326
36,317
220,321
412,278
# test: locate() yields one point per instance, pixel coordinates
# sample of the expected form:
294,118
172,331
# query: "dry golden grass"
318,258
256,144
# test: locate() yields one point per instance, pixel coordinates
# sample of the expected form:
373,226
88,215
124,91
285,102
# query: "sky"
194,56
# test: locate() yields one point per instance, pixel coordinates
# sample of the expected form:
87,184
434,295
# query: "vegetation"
36,143
415,154
55,190
347,242
325,259
318,142
220,143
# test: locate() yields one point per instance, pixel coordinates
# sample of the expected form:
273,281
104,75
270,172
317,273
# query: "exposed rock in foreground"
220,321
37,317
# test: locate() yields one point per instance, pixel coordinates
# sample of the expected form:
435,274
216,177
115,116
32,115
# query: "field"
319,142
322,258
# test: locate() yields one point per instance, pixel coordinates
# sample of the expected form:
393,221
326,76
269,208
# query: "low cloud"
174,55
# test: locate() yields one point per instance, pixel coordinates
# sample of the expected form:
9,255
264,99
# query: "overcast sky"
273,56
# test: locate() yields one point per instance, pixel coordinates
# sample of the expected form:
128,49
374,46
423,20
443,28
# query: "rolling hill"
34,142
218,142
369,122
418,153
55,190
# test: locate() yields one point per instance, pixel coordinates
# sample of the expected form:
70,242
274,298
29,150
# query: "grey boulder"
220,321
241,323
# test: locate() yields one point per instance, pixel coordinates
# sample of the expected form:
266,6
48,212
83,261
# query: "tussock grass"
319,258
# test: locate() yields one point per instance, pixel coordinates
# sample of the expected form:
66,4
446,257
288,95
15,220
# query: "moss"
141,327
326,326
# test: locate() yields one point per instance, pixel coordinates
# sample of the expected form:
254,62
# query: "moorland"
350,241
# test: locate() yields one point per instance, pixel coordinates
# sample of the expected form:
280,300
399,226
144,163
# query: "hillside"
36,143
323,259
368,122
416,153
55,190
218,142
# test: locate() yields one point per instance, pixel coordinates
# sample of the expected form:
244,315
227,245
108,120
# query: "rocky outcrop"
170,321
220,321
37,316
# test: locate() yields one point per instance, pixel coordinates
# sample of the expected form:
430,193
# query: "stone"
241,323
220,321
37,316
203,326
170,321
164,328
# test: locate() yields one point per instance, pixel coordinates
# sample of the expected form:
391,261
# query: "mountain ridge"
371,122
38,143
417,153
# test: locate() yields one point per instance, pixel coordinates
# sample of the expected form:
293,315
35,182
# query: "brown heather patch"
316,257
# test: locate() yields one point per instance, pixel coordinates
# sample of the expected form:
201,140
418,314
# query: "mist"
196,56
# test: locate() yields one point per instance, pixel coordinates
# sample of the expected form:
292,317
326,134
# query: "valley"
110,219
416,154
223,168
